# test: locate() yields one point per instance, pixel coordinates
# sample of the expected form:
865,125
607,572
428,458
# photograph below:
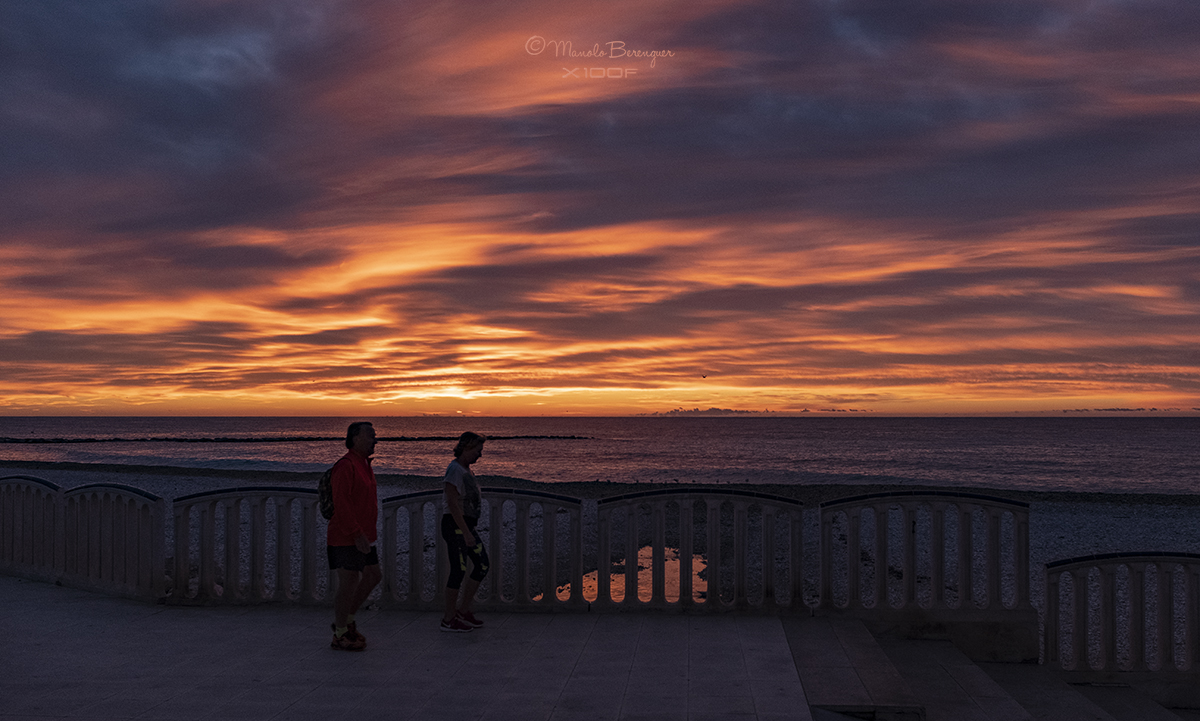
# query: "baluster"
549,552
71,537
522,555
686,550
1080,634
183,533
881,556
258,548
739,553
283,548
576,555
10,511
116,548
1191,619
208,512
136,552
993,558
103,516
603,556
1021,523
58,536
441,554
1165,654
153,539
768,556
631,555
712,596
966,558
1108,617
496,549
233,546
309,549
1137,616
1053,650
658,552
853,558
92,567
796,556
416,552
937,555
60,529
909,571
825,571
387,555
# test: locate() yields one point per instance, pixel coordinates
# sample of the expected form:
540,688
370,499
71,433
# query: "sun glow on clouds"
368,208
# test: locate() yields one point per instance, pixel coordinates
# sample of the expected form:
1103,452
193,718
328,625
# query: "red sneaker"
346,642
455,625
469,618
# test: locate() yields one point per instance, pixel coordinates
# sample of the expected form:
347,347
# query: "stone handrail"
773,509
274,552
31,528
1124,615
938,505
404,585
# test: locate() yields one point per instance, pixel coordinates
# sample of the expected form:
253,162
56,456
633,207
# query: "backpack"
325,494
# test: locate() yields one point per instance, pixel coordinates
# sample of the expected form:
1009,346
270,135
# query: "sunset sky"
869,206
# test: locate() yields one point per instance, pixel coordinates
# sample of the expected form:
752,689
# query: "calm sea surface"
1081,454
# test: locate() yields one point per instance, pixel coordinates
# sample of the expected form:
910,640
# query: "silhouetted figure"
351,534
460,514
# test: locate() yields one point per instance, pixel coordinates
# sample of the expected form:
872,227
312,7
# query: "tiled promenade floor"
71,654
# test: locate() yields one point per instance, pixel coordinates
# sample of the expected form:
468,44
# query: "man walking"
352,533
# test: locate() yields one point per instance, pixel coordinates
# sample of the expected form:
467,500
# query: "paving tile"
532,711
703,686
834,687
593,714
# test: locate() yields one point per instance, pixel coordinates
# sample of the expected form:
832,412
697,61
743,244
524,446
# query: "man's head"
360,438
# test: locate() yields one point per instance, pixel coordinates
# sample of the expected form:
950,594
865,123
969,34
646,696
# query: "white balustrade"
931,549
31,528
270,547
411,527
1123,605
113,540
729,549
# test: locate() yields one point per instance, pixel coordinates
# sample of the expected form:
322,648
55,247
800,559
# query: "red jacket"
355,504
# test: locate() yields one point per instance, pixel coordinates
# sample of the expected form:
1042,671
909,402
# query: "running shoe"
455,625
469,618
345,642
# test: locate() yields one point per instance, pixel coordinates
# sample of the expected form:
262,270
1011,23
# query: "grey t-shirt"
466,485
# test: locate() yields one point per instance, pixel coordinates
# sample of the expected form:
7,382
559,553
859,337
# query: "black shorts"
350,558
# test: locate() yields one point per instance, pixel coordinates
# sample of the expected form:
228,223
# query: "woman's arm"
454,501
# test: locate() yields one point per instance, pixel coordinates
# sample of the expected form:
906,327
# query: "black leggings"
459,553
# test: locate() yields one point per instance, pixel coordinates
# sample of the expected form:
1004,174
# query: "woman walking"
460,514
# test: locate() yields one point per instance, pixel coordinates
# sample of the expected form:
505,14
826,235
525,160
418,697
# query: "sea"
1082,454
